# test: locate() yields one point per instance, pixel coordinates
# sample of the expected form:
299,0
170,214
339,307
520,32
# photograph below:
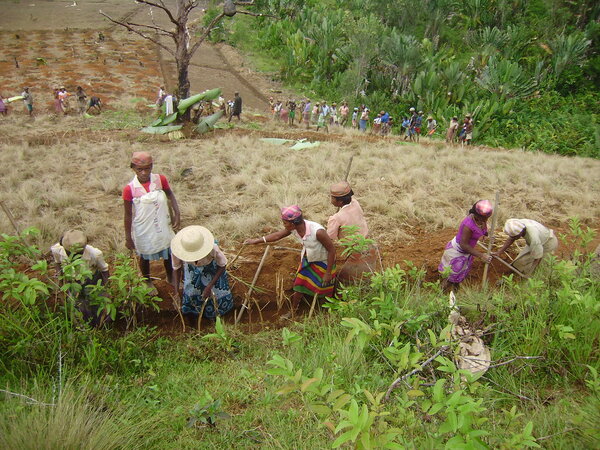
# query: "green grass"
120,120
141,390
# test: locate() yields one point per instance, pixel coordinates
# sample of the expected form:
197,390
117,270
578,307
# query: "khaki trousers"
524,262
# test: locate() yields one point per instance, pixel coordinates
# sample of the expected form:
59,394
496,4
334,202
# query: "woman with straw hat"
317,261
196,253
540,242
460,251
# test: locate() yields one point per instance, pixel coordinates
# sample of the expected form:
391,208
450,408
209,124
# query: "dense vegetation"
313,385
528,70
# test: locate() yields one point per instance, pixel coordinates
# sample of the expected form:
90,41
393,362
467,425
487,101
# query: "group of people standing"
61,101
322,116
460,133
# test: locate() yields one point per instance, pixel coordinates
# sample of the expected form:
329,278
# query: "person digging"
74,243
316,272
198,260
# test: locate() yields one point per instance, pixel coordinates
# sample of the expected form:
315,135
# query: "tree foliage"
448,58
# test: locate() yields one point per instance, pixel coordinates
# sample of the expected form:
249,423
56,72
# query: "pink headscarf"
484,208
291,213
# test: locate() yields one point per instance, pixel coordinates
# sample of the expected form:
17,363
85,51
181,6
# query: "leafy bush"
447,58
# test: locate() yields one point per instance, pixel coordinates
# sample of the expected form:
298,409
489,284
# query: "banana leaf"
169,119
14,99
157,122
276,141
303,145
161,130
190,101
208,123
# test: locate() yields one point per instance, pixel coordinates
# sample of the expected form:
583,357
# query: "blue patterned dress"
195,279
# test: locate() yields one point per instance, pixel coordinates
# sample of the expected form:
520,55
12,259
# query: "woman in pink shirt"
350,214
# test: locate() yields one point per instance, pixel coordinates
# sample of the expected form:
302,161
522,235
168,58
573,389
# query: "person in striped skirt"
316,272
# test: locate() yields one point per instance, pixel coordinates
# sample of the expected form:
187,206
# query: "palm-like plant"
401,57
506,79
568,50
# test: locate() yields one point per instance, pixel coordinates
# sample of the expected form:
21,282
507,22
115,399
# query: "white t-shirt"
91,255
536,235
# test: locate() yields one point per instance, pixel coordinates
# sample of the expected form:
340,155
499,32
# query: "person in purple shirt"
460,251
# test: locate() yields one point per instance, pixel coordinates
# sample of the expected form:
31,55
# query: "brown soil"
108,69
424,251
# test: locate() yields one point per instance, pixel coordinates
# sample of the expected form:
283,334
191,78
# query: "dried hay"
239,182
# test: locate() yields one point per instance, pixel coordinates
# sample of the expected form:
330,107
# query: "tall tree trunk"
182,56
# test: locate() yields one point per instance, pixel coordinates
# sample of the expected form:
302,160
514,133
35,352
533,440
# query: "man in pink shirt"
350,213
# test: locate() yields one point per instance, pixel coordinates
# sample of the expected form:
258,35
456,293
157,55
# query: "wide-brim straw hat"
192,243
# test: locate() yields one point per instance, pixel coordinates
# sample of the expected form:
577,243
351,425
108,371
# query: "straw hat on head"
74,239
341,189
513,227
192,243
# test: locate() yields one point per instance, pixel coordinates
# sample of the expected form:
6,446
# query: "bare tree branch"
159,29
206,32
29,399
256,14
399,380
162,6
138,32
515,359
503,389
191,6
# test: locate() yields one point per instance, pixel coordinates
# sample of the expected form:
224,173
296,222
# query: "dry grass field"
237,182
63,173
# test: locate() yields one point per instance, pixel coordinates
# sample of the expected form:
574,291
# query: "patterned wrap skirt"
309,279
457,260
196,278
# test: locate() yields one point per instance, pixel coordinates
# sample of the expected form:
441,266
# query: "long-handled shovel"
249,293
491,238
312,306
505,263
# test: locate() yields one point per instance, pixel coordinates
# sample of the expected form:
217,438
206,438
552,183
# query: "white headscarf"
513,227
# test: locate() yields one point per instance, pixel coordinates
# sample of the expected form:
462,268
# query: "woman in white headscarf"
540,242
